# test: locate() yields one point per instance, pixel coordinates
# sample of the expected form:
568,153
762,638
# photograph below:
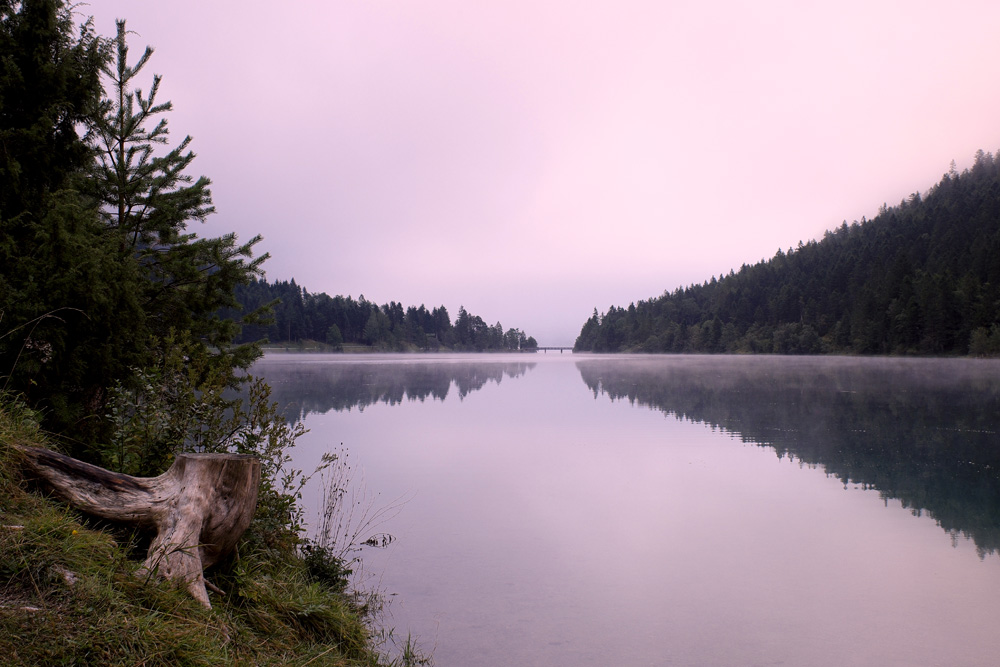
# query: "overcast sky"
532,160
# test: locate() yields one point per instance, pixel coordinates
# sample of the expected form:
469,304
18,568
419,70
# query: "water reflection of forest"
319,384
925,431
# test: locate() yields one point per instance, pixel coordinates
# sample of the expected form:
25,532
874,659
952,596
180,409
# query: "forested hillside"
339,320
922,277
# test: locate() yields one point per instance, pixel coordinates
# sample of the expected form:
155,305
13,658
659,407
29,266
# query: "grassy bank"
69,594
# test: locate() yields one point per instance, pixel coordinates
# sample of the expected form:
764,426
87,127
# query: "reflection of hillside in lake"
924,431
302,384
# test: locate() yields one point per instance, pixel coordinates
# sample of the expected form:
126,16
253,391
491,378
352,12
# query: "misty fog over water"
575,510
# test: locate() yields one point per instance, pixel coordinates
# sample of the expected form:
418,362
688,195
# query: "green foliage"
378,330
96,264
334,338
147,200
70,320
326,568
69,594
299,315
49,84
921,278
187,403
111,331
985,342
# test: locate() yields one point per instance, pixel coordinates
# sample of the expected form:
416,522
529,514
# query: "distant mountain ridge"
922,277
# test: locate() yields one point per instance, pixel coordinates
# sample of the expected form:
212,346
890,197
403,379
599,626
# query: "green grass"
70,595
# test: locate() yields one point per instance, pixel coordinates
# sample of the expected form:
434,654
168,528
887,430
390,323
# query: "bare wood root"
199,508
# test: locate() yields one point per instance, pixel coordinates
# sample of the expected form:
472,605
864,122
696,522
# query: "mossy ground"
69,595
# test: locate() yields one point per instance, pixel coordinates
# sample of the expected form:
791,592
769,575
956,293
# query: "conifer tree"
68,322
147,199
49,83
97,268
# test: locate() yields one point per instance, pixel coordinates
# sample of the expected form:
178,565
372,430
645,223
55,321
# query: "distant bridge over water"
546,349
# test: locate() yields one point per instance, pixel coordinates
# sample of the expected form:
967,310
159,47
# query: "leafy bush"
185,403
325,568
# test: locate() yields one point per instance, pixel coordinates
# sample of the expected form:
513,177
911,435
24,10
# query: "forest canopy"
101,279
922,277
338,320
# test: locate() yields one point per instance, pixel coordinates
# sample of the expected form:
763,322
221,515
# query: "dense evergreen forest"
339,320
922,277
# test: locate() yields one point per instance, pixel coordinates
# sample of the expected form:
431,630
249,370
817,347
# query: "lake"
573,510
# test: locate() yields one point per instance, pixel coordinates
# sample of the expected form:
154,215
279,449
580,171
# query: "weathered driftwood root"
199,508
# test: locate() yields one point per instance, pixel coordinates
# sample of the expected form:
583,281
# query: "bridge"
546,349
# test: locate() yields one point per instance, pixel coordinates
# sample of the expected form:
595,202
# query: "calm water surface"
588,510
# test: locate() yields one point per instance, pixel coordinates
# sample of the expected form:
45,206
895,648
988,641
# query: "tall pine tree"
97,268
68,319
147,199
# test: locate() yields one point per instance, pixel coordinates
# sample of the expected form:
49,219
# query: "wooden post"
199,508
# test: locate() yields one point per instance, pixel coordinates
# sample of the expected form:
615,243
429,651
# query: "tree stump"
199,507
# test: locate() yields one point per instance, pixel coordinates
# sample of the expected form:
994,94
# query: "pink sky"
533,160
